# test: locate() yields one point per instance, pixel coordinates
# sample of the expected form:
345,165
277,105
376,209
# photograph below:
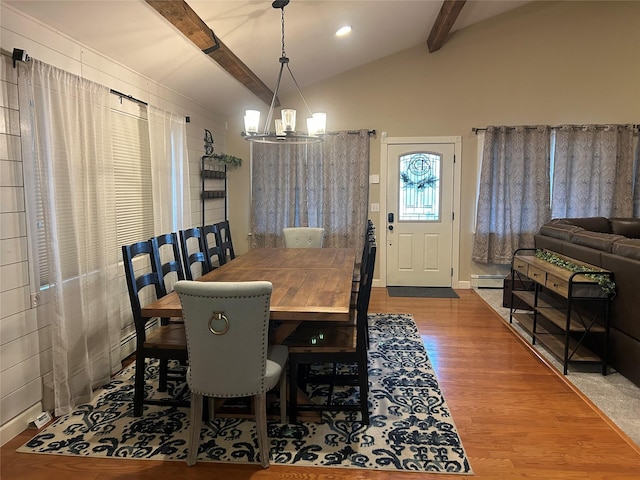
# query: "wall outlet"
41,420
35,300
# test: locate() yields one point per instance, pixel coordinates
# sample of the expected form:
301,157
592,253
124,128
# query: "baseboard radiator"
487,281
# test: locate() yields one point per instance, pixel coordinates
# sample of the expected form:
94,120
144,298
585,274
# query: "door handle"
390,217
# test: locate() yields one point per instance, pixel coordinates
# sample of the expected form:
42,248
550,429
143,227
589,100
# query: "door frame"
381,231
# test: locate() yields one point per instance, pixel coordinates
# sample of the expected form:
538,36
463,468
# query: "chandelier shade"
284,128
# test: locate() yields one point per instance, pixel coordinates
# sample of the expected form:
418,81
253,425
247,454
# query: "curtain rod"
128,97
476,129
19,55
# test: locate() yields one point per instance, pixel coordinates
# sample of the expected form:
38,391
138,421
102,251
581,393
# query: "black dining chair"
167,248
193,253
166,341
212,246
226,243
334,344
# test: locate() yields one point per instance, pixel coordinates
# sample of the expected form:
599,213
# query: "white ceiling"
135,35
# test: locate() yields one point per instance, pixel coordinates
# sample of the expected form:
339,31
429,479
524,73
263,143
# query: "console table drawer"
557,285
521,266
537,275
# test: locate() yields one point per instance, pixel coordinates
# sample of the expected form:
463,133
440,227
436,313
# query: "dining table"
309,284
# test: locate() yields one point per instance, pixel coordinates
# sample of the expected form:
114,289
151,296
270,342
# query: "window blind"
132,174
134,203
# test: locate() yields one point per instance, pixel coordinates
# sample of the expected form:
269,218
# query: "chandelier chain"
283,52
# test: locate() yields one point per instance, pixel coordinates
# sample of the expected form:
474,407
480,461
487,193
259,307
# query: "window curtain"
273,191
320,185
169,171
636,184
67,154
513,199
344,197
593,171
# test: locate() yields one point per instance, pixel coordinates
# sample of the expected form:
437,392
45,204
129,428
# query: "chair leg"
211,405
260,406
138,392
283,395
363,378
293,390
163,373
195,421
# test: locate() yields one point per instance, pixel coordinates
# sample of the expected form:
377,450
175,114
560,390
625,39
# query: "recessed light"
343,31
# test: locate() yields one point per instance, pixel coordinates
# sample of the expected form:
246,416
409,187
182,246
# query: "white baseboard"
487,281
19,424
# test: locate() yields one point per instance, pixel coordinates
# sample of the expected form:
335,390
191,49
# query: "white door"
420,214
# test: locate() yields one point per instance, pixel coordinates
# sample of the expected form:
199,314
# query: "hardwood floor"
517,417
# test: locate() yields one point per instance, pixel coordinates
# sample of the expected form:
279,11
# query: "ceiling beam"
182,16
442,26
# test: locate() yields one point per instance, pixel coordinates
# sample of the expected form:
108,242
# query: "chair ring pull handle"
217,316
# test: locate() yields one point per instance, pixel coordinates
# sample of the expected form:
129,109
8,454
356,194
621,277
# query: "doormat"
411,428
426,292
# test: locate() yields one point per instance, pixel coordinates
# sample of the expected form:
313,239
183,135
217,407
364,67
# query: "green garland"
425,182
605,282
229,160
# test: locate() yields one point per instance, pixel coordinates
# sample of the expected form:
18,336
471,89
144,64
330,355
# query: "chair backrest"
368,237
193,250
364,289
303,237
212,246
167,250
225,240
227,327
366,277
145,273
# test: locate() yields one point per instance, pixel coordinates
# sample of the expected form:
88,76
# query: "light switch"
375,207
374,178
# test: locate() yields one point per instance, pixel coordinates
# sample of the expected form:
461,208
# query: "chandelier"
285,127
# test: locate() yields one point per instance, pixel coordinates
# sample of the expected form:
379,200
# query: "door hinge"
453,215
452,271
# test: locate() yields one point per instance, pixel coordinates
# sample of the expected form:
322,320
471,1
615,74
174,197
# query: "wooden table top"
308,283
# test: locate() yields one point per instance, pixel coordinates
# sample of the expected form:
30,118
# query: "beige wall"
544,63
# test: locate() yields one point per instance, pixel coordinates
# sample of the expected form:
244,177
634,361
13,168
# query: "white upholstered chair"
303,237
227,328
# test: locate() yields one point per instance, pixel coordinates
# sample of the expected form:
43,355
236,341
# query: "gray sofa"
613,244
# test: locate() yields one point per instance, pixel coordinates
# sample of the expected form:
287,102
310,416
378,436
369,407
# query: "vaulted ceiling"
164,40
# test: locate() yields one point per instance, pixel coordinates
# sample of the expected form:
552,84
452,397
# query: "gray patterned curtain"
322,185
513,201
636,185
594,171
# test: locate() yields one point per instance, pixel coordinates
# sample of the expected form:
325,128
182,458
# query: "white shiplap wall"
25,345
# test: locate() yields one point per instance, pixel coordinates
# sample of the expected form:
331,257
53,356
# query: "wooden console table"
566,311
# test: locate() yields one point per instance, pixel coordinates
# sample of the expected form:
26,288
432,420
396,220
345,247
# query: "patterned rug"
410,428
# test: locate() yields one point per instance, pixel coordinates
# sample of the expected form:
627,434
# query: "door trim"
381,231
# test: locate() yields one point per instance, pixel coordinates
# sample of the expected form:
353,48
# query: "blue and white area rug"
410,429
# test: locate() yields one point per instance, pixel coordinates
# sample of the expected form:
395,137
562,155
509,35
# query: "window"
420,187
132,174
133,192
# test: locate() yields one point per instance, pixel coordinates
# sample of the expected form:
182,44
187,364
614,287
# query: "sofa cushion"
628,247
628,227
597,240
594,224
558,230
